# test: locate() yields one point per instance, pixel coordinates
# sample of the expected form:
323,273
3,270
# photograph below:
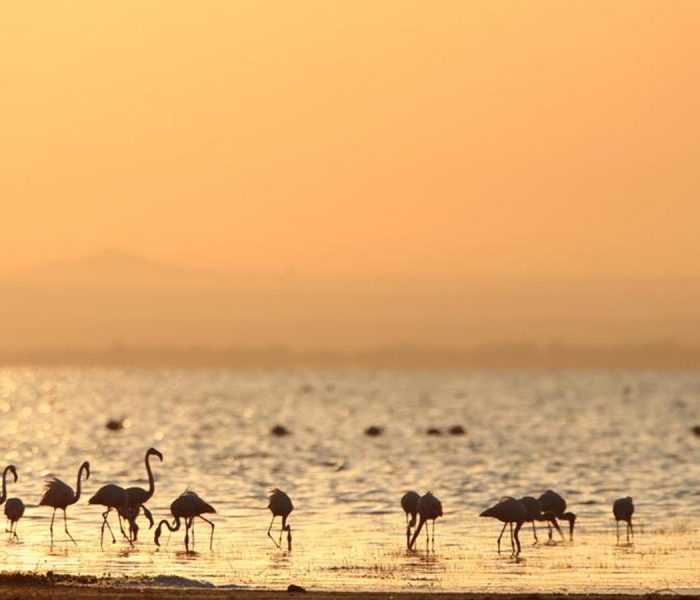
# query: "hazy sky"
360,137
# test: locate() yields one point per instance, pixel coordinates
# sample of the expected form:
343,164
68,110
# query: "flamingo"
137,497
280,506
113,497
534,513
14,508
187,506
553,503
60,495
409,503
508,511
429,509
623,509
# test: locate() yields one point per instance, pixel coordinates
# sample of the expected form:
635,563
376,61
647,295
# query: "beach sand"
40,587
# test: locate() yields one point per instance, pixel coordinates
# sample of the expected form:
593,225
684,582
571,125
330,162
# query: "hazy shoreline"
497,356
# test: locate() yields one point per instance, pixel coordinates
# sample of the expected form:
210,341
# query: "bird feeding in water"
114,498
508,511
14,507
623,509
59,495
553,503
409,503
429,509
187,507
534,513
280,505
137,497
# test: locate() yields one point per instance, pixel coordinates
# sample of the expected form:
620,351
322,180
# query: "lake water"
592,436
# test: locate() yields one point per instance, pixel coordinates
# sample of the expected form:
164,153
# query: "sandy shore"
16,586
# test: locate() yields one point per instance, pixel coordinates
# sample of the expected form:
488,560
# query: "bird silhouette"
186,507
137,497
114,498
14,507
409,503
59,495
280,505
429,509
508,511
623,509
534,513
553,503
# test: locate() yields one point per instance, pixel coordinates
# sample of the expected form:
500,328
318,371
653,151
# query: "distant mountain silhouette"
114,297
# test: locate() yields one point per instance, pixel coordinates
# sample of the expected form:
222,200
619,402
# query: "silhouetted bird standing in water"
553,503
409,503
623,509
59,495
137,497
14,507
114,498
187,507
429,509
280,505
508,511
534,513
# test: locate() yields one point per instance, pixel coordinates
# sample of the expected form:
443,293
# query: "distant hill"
113,298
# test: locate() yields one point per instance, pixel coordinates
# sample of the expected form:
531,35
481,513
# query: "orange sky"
358,137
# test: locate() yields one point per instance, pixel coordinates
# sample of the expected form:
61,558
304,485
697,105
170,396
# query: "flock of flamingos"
128,503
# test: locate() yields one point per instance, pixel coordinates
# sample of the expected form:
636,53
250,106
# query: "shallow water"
592,436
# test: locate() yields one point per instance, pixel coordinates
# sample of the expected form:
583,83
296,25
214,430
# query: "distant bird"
59,495
429,509
115,424
374,431
409,503
457,430
137,497
186,507
280,505
114,498
280,431
553,503
508,511
14,507
534,513
623,509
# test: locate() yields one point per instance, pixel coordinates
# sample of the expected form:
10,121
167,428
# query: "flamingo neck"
151,481
77,485
4,485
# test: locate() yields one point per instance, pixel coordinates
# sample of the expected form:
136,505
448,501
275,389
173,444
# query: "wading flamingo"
114,498
553,503
59,495
623,509
409,503
508,511
14,507
280,505
186,507
534,513
137,497
429,509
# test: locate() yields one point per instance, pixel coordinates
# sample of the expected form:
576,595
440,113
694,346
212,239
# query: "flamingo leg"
53,516
518,525
556,526
15,531
534,532
512,541
105,514
269,529
289,538
631,529
617,529
211,539
500,536
188,523
65,527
